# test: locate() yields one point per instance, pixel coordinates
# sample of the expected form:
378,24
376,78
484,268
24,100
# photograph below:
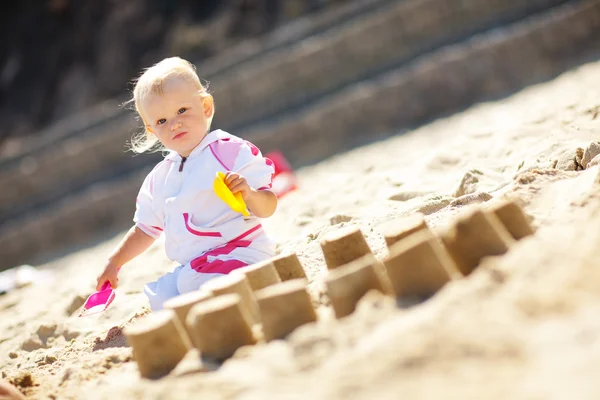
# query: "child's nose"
175,125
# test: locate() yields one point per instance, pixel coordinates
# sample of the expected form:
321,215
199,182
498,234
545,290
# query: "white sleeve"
147,217
257,169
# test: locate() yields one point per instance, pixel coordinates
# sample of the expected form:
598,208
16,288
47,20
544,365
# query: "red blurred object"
284,180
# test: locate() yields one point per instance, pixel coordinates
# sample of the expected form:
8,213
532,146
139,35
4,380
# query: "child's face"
179,117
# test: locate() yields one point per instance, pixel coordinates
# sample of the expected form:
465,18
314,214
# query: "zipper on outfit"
181,165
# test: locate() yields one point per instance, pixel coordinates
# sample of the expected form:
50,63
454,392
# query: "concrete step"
266,88
236,56
485,66
322,64
90,146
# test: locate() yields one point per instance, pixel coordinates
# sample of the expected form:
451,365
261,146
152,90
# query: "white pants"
182,280
214,263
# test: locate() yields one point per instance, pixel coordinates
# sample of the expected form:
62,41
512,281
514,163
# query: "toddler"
202,233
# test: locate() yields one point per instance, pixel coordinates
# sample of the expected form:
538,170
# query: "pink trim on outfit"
249,231
153,231
222,267
217,157
186,218
202,264
226,152
253,149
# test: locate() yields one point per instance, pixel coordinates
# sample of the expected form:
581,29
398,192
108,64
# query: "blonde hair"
151,82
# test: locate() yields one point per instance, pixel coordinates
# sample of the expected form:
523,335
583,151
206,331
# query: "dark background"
58,57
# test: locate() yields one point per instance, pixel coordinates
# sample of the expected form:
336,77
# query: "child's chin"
187,149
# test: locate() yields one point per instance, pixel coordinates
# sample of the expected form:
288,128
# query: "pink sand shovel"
99,301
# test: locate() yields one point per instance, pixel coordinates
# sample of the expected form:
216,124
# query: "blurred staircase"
324,84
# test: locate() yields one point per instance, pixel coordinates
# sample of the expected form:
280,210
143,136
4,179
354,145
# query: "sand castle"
288,266
396,229
347,284
219,327
284,307
419,266
343,246
260,275
159,342
475,236
236,284
182,304
218,318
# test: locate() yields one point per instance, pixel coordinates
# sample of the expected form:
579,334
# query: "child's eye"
161,121
182,110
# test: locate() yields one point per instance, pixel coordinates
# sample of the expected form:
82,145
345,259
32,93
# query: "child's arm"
133,244
262,203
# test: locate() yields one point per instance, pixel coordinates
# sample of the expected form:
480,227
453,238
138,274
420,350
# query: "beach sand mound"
522,324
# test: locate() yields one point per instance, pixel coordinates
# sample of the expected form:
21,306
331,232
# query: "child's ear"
149,129
209,106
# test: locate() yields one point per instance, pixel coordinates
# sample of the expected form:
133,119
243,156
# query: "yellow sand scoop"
235,201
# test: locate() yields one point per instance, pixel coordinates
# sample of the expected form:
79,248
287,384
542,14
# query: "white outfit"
202,233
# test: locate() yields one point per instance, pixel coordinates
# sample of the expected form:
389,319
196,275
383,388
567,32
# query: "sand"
522,325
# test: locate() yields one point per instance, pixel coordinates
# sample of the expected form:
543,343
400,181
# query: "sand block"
347,284
219,327
193,363
158,342
343,246
288,266
284,307
260,275
419,266
475,236
398,228
182,304
514,219
236,284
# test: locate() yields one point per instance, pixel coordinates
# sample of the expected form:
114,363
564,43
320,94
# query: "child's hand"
261,203
109,274
238,184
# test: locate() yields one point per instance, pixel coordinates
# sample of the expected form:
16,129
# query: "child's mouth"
179,135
